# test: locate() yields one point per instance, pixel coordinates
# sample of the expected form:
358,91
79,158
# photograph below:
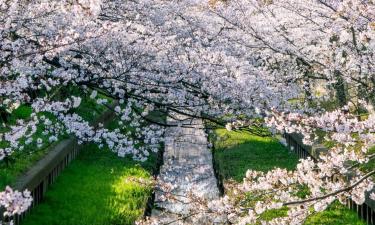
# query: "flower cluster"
14,202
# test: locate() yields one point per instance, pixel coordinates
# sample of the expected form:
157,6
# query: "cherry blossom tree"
299,42
235,59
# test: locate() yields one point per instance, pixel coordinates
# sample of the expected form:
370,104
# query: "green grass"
98,188
95,190
21,160
235,152
336,214
22,112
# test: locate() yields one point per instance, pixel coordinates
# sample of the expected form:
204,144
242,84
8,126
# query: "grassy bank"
239,151
21,160
236,152
98,188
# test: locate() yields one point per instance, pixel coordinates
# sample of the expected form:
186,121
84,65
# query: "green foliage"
21,160
274,213
367,167
303,191
329,105
98,188
22,112
89,110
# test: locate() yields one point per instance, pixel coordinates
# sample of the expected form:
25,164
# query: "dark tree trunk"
307,89
340,89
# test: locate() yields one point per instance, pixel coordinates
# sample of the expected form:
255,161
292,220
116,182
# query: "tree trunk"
340,89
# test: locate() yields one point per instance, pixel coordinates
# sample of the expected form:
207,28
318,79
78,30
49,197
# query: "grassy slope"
336,214
239,151
24,159
235,152
95,190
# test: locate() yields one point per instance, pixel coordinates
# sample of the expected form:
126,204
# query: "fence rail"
44,173
366,211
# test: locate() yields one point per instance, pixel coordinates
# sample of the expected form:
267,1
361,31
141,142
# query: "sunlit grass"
98,188
237,151
336,214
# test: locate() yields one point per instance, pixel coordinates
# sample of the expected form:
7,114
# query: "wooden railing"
294,143
44,173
